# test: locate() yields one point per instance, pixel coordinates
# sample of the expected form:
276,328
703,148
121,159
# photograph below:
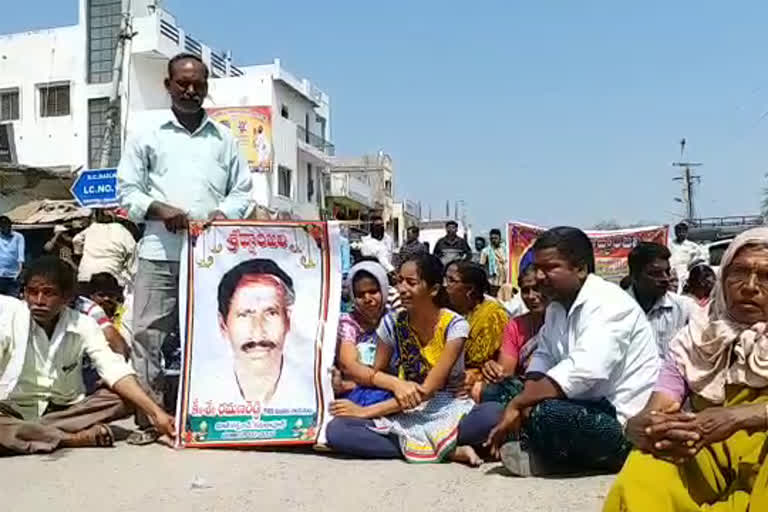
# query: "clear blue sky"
552,112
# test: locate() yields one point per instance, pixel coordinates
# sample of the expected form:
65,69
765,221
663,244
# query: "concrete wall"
32,59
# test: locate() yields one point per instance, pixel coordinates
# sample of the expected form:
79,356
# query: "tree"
606,225
612,224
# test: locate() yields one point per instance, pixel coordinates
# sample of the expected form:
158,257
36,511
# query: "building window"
103,31
284,111
54,100
388,186
310,183
284,181
97,122
9,105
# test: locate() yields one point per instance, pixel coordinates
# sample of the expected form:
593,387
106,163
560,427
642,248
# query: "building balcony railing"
315,140
343,185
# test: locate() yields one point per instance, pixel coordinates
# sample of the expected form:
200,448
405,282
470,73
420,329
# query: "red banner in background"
611,247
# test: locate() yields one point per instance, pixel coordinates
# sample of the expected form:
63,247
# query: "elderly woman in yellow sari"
716,457
466,285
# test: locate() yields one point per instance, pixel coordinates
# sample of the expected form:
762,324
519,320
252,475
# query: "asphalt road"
156,479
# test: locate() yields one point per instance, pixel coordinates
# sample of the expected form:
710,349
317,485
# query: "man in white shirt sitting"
649,274
42,395
594,367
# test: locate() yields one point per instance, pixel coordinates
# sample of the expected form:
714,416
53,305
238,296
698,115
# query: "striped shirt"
670,314
87,307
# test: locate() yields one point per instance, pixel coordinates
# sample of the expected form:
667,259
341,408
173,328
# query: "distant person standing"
452,247
684,252
494,259
411,247
11,258
61,244
107,247
185,167
378,244
479,246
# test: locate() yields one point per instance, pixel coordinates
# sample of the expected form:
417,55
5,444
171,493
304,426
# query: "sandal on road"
143,437
99,435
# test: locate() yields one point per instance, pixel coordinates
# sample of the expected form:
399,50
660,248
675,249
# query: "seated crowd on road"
662,380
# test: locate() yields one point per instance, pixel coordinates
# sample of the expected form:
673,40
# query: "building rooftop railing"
732,220
315,140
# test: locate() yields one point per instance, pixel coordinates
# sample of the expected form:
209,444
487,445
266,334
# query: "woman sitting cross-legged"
466,285
501,380
357,335
716,457
425,422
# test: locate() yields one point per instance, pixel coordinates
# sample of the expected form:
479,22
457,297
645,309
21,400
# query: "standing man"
411,247
684,252
11,258
452,247
649,274
186,167
494,259
479,246
378,244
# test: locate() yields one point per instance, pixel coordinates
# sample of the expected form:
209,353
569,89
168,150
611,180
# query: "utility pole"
688,179
113,109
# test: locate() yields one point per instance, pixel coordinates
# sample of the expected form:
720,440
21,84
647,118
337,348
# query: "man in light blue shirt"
184,168
650,274
11,258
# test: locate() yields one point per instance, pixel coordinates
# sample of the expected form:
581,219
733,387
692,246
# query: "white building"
55,84
404,215
376,172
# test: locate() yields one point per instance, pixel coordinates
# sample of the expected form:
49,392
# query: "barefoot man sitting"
42,395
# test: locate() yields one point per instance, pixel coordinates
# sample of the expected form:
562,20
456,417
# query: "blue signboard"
96,188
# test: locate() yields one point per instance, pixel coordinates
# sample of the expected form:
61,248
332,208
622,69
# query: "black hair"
572,244
451,223
529,269
430,270
256,266
414,229
364,274
645,253
474,276
104,282
625,282
5,221
55,270
697,277
186,56
495,231
376,218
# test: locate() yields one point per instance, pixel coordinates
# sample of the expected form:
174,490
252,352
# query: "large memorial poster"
260,333
611,247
